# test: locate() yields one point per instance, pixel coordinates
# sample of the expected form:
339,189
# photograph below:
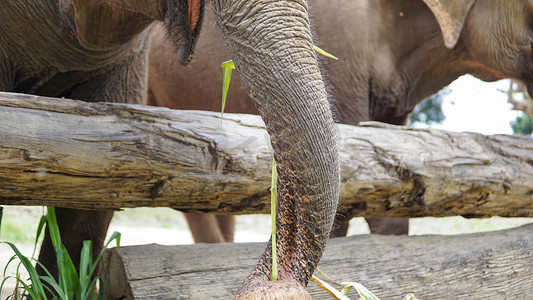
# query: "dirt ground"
168,227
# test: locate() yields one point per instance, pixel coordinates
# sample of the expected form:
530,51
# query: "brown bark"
96,155
495,265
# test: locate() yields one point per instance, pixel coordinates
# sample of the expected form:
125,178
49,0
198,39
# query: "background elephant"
96,50
392,55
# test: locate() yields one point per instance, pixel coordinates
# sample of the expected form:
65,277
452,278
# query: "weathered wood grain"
495,265
99,155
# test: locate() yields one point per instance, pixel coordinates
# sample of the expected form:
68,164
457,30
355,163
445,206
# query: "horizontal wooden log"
495,265
108,156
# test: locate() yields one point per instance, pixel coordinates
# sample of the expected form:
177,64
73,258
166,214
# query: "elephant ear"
451,16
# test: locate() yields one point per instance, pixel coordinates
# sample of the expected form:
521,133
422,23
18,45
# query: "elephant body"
37,61
392,55
34,60
96,50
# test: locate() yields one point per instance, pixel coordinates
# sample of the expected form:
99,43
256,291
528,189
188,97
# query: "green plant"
363,292
70,284
273,209
228,66
523,124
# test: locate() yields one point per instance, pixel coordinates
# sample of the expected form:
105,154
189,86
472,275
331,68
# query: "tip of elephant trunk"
268,290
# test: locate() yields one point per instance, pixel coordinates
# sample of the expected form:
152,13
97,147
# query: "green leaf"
227,67
57,289
363,292
88,290
86,258
86,262
228,64
321,51
53,229
100,288
273,214
115,235
67,272
40,230
30,292
328,288
8,263
36,286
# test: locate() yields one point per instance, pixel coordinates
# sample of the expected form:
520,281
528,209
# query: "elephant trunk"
271,46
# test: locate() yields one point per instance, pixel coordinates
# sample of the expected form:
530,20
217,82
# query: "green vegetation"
430,111
523,124
273,210
364,293
70,284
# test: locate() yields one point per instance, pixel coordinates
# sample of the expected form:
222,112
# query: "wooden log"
108,156
495,265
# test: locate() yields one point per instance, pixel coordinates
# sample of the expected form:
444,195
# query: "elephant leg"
340,226
226,224
75,226
204,228
388,226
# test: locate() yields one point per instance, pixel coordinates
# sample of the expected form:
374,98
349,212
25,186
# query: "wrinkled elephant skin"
96,50
392,55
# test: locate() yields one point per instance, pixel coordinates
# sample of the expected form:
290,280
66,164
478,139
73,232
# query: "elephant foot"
265,290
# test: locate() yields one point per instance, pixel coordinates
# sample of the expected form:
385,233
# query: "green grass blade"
4,281
30,291
345,290
57,289
37,287
321,51
44,268
8,263
71,273
228,64
227,67
86,260
65,279
40,230
273,214
87,292
114,236
53,228
363,292
329,289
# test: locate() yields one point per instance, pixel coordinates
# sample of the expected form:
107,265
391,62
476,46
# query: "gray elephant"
392,55
96,50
